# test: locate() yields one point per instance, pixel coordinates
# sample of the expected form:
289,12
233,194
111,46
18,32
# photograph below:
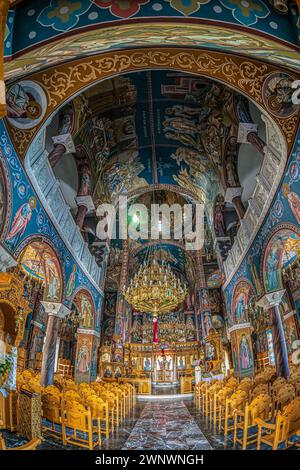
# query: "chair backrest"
277,385
260,389
260,379
238,400
292,413
224,393
77,417
259,408
285,394
51,407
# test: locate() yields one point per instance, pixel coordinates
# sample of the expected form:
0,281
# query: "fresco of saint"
21,219
293,200
83,360
245,354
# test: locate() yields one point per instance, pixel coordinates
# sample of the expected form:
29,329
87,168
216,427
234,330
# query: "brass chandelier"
155,289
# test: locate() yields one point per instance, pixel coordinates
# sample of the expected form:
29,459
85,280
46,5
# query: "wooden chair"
237,401
246,386
261,389
287,425
77,426
277,385
51,413
219,405
282,398
31,445
245,420
210,400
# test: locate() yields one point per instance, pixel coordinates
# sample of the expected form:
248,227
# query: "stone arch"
275,255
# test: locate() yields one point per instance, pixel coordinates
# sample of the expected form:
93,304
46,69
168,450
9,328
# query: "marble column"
55,311
3,17
247,132
85,204
233,196
62,144
271,301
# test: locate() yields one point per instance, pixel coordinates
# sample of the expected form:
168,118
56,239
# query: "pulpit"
29,414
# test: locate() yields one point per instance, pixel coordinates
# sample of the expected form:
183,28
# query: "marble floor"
166,425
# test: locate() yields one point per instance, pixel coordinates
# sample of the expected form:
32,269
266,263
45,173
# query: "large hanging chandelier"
155,289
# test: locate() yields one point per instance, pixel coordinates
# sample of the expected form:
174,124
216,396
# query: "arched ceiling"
51,34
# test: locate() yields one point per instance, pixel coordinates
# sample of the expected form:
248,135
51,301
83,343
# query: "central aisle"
164,425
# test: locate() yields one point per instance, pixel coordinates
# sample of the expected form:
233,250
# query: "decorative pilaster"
119,334
242,352
88,341
55,311
271,301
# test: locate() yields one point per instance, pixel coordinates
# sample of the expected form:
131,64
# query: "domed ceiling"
158,128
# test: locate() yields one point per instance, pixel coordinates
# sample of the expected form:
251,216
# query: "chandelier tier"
155,289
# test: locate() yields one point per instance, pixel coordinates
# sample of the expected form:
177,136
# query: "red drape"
155,330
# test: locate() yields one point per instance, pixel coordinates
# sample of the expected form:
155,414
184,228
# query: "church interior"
144,343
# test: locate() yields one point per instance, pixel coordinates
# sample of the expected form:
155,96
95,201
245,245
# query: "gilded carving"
11,293
63,81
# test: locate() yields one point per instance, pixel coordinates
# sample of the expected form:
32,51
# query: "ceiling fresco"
44,39
151,128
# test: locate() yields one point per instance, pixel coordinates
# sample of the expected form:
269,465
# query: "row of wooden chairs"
266,403
80,414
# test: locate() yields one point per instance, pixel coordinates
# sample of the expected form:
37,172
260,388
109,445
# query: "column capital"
245,128
66,140
86,201
6,260
56,309
231,193
270,299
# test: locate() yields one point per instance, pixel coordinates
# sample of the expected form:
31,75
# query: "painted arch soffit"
61,83
164,34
